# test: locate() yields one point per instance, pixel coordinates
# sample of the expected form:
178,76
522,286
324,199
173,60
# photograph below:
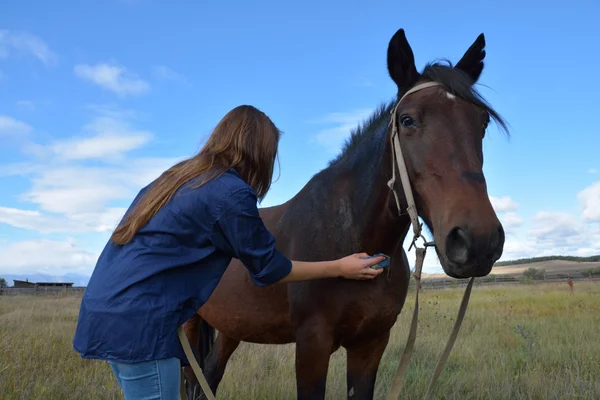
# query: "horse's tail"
201,336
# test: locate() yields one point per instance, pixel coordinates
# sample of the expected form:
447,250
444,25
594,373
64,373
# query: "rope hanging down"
398,161
195,367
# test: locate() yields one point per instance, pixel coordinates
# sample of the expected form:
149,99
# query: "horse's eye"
407,121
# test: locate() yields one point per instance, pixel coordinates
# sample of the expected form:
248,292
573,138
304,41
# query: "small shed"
23,284
26,284
54,284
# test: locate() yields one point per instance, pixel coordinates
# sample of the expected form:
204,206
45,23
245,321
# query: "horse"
348,208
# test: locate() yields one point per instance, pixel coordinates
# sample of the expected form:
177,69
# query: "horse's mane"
455,81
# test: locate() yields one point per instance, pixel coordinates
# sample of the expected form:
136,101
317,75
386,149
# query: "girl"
174,243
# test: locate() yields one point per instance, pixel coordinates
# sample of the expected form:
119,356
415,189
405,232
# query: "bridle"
398,161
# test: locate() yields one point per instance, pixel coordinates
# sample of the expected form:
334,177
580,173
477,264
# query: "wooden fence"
427,283
492,280
40,291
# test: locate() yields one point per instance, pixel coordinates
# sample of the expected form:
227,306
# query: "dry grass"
519,342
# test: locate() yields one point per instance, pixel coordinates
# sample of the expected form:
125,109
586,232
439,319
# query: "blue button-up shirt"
141,292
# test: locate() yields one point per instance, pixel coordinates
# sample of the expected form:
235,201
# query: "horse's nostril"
497,238
457,246
497,243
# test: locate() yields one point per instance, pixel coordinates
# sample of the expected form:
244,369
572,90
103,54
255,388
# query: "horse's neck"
377,226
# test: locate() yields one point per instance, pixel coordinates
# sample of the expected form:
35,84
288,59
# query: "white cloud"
553,233
592,171
26,105
81,189
108,137
113,77
549,234
511,220
80,185
79,198
590,199
45,256
27,219
166,73
74,190
99,146
23,43
11,126
72,194
343,123
554,226
503,204
101,222
364,82
515,249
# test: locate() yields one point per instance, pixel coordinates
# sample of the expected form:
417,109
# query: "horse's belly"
243,311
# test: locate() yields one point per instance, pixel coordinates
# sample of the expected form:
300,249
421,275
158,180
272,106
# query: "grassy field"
518,342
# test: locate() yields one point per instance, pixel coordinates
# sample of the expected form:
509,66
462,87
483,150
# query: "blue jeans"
150,380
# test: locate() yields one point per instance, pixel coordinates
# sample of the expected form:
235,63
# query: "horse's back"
241,310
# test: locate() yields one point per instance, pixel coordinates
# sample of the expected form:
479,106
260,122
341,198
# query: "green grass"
517,342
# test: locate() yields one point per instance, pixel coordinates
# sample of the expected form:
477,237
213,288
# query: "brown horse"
348,208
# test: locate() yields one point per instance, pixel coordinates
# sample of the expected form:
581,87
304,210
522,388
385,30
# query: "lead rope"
399,378
195,367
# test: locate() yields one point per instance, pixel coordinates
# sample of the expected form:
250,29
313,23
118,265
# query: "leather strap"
398,161
194,364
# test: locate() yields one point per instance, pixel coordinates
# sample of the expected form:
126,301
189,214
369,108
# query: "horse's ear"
472,61
401,61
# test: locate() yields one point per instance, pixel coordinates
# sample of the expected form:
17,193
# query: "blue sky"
98,97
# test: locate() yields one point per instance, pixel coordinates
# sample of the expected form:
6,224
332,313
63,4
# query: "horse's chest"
369,316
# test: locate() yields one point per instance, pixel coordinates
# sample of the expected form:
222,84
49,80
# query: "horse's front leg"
362,365
314,346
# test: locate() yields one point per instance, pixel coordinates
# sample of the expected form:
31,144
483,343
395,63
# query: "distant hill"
547,258
551,265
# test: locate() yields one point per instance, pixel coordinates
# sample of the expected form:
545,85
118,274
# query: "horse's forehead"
436,96
443,100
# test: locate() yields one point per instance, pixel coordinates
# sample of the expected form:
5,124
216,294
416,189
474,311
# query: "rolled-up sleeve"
240,232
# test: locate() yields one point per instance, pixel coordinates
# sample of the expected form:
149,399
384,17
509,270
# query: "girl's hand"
352,267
